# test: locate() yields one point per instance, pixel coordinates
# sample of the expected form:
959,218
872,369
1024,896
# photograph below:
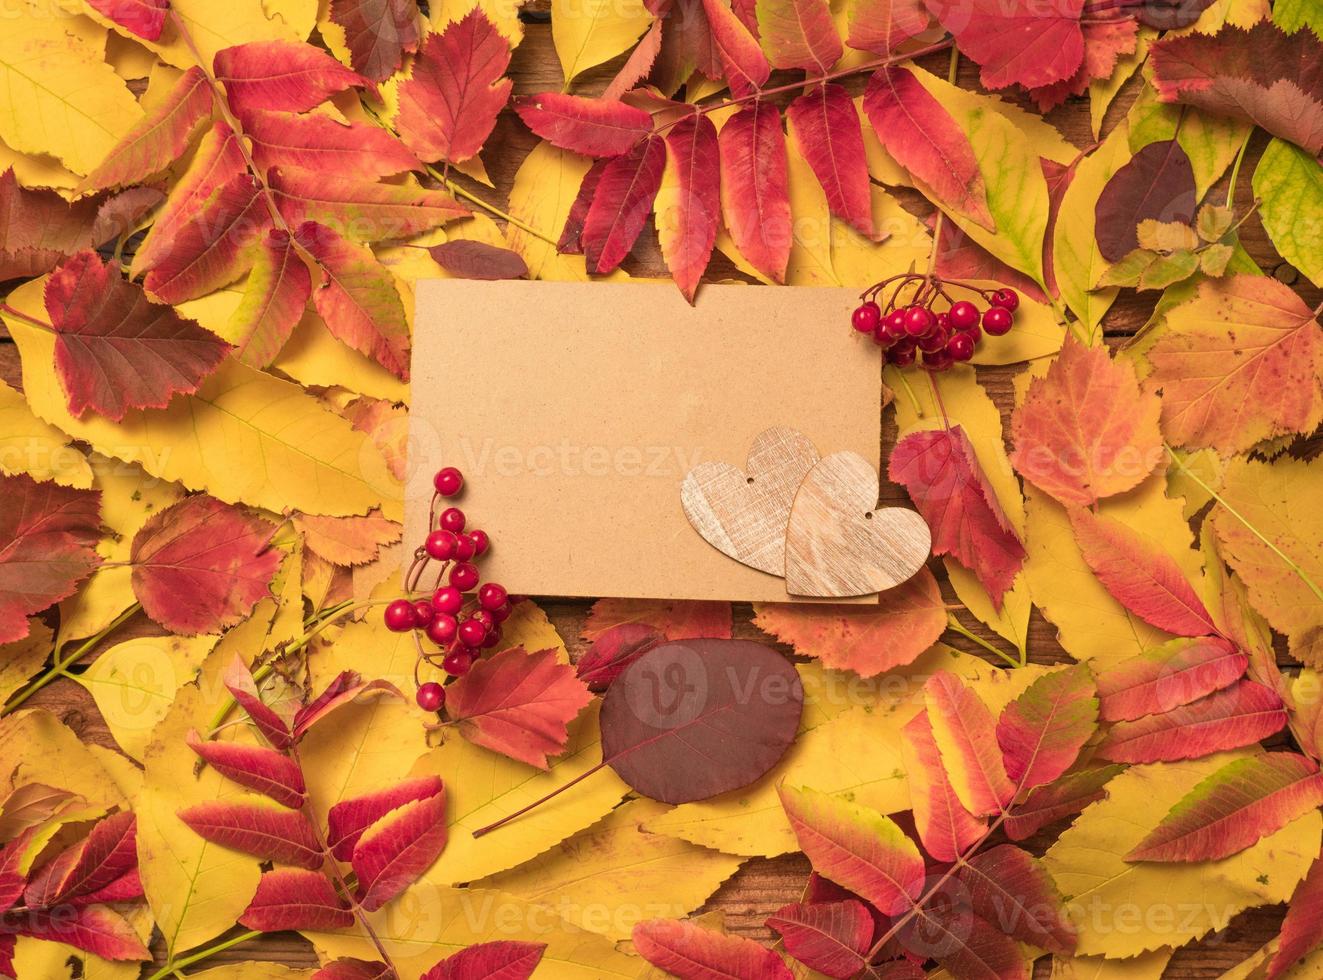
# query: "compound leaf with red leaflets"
945,827
593,127
293,898
799,34
685,949
614,650
348,819
1168,676
115,350
830,937
143,18
83,872
393,852
967,945
285,76
1239,715
1047,804
1243,802
94,929
518,704
347,686
238,680
620,207
745,66
48,535
1042,731
1010,887
271,773
880,26
825,126
966,735
202,565
688,205
502,960
270,833
274,300
755,188
320,143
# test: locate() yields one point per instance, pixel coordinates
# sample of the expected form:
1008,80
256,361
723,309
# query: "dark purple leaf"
1157,183
478,260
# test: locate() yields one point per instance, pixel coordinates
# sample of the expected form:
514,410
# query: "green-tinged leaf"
1289,188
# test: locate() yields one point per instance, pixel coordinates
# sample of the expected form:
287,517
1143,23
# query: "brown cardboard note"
576,409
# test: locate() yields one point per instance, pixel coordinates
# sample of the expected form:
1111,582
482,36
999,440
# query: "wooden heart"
744,514
838,545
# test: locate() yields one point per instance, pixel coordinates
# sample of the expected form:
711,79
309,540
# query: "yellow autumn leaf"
1102,91
545,187
22,659
483,786
37,748
1211,142
1122,908
29,445
36,170
504,14
245,436
58,96
589,32
196,890
856,261
135,682
1075,256
429,923
614,875
1146,966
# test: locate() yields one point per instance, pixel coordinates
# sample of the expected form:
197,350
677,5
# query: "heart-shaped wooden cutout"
744,514
838,545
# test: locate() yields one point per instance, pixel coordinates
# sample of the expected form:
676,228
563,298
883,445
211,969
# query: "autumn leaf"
393,852
1302,929
144,18
1241,714
945,827
825,127
1105,43
450,101
1011,888
284,76
923,137
1288,185
502,960
1271,78
346,540
683,948
49,536
293,898
266,832
612,651
1042,731
830,937
202,565
317,142
868,640
755,188
1240,362
378,33
740,54
593,127
274,301
688,205
1243,802
518,704
1016,43
478,260
880,26
798,34
1167,677
269,772
1085,431
349,819
966,736
39,228
944,479
101,868
678,620
1156,184
1067,796
624,196
1140,575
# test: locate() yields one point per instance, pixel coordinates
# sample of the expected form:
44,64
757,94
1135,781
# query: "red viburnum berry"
1007,299
457,662
441,630
866,317
963,315
431,696
448,481
996,321
918,321
448,599
464,549
440,545
481,541
463,576
423,613
472,633
492,638
960,347
902,355
400,617
452,519
492,596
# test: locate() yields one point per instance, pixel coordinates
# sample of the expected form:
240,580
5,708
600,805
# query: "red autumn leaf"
966,735
1239,363
755,188
944,479
503,960
80,872
1302,929
48,536
292,898
378,33
201,565
269,772
945,827
1140,575
115,350
1156,183
689,205
270,833
1243,802
744,65
744,698
1016,42
320,143
621,204
347,686
826,128
1239,715
856,847
687,950
346,541
960,257
613,651
593,127
868,640
144,18
1166,15
393,852
94,929
119,216
1105,42
1009,887
478,260
799,34
357,298
215,246
38,228
1085,431
965,944
639,64
677,620
287,76
571,236
1042,731
274,302
1272,79
1167,677
518,704
922,136
238,680
449,104
347,968
347,820
1048,804
880,26
360,210
830,937
159,138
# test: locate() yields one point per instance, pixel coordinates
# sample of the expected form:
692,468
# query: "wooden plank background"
762,886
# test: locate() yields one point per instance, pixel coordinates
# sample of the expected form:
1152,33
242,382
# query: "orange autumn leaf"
1086,431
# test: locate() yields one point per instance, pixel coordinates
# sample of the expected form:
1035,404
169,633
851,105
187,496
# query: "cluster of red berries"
460,626
913,330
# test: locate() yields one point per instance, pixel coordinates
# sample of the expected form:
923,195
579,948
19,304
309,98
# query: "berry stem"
459,191
937,397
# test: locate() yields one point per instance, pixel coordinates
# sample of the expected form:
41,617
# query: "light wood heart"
743,514
838,545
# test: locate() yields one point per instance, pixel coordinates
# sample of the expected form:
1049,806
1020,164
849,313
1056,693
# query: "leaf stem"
60,667
459,191
20,315
1235,169
176,965
955,626
483,831
1300,572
